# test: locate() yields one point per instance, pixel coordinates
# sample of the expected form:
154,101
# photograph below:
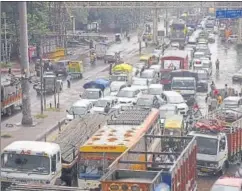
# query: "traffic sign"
229,14
221,14
233,14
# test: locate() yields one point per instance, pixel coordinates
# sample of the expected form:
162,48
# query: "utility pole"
0,91
41,78
5,38
26,109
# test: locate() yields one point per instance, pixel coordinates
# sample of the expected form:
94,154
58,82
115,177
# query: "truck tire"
224,169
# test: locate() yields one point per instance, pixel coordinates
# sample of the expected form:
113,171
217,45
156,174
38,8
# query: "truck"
49,163
218,144
101,50
75,69
11,95
51,84
169,164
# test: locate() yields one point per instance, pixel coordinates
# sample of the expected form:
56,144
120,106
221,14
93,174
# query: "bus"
114,138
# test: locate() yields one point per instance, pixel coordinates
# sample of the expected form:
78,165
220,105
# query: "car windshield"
125,93
140,82
176,99
114,87
101,103
25,163
230,104
155,91
91,95
183,84
207,146
202,76
198,55
224,188
76,110
147,74
144,102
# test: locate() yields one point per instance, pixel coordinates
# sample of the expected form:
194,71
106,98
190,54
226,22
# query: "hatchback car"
237,77
99,106
128,95
148,101
79,109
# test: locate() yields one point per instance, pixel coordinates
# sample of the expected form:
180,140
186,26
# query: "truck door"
223,150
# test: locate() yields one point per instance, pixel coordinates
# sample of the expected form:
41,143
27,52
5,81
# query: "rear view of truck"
173,157
101,49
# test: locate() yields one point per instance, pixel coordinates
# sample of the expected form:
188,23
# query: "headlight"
214,165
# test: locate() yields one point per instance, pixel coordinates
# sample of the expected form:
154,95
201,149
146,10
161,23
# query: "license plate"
204,170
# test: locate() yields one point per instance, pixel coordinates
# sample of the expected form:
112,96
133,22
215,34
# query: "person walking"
209,102
217,64
68,79
226,91
219,100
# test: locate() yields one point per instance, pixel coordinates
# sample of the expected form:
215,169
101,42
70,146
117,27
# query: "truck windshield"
25,163
207,146
183,84
91,95
78,110
118,78
224,188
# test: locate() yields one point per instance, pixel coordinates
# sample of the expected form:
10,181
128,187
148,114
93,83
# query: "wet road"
229,64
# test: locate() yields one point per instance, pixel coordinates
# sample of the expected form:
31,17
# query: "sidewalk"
18,132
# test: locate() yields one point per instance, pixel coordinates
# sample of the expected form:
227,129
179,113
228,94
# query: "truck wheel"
223,170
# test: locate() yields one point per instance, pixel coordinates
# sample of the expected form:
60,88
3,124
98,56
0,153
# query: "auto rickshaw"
118,37
75,69
174,125
149,59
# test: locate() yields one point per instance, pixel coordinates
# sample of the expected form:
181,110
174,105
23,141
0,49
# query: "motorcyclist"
217,64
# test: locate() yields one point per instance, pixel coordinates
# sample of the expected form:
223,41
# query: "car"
150,74
140,83
148,101
175,45
79,109
227,184
174,98
233,38
205,64
100,105
115,86
237,77
202,41
157,52
232,108
203,78
196,62
211,38
140,65
128,95
156,67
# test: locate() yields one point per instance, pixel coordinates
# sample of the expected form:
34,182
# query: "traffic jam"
162,123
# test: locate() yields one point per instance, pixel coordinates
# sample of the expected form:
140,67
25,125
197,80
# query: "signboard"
105,148
171,64
228,14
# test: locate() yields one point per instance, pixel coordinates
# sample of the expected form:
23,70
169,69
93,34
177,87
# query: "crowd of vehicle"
153,135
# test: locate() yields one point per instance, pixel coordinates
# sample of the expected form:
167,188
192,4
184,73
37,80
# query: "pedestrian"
217,64
68,79
219,100
226,91
209,103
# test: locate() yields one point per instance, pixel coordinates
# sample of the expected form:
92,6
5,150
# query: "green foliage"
80,15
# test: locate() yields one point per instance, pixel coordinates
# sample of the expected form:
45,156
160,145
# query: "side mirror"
80,95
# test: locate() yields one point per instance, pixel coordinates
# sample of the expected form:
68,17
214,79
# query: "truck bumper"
207,171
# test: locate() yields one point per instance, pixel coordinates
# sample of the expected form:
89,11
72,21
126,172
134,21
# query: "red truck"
169,164
173,60
219,143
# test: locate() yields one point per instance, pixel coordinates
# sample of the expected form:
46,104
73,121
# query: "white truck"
219,144
48,163
11,95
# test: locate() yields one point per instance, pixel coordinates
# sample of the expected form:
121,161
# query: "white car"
156,67
157,52
128,95
79,109
174,98
233,38
115,86
140,83
103,102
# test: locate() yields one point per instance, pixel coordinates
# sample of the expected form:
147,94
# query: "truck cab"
212,143
31,162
